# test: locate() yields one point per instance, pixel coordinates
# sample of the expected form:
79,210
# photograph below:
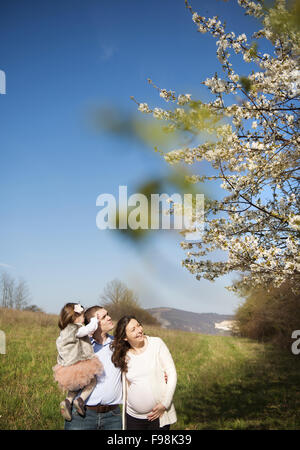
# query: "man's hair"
90,312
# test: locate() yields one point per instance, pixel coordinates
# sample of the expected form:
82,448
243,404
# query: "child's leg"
87,390
66,405
71,395
85,393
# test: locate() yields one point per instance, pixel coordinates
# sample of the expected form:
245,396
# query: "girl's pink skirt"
78,375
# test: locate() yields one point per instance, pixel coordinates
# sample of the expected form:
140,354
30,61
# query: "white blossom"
143,107
294,222
183,99
254,154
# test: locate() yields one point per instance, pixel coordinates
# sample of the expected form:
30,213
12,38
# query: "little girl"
77,363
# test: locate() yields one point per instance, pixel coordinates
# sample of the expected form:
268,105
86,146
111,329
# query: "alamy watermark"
2,343
296,345
135,212
2,82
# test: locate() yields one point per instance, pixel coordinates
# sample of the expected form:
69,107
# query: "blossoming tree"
254,151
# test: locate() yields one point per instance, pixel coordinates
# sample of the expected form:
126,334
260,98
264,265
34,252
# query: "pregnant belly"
140,399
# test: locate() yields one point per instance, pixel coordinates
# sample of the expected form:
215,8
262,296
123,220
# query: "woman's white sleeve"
90,328
169,367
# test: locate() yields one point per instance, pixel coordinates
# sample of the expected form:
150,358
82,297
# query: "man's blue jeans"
111,420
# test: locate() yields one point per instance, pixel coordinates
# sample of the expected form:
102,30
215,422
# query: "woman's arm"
168,366
90,328
156,412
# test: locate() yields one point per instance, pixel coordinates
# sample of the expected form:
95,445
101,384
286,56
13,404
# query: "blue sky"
62,59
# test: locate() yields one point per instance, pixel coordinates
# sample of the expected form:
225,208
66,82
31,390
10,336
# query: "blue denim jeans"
111,420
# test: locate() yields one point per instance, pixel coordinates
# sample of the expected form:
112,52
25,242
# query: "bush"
270,315
119,301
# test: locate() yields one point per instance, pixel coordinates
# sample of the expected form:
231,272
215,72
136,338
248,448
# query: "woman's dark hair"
119,346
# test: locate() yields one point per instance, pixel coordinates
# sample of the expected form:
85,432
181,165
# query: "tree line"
15,293
119,301
269,315
116,298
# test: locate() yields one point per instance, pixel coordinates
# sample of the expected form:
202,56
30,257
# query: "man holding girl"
140,361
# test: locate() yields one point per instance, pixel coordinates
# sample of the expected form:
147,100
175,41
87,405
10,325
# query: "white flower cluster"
217,85
143,107
184,99
252,8
294,222
255,153
167,95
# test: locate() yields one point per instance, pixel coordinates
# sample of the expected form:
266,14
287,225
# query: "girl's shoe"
79,405
66,409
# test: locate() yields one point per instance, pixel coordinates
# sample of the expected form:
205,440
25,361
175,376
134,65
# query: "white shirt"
140,398
159,361
108,390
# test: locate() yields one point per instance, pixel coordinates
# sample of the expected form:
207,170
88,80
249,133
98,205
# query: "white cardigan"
163,392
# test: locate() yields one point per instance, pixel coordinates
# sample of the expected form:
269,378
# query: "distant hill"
206,323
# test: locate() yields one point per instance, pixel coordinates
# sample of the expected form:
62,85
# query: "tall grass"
223,382
28,396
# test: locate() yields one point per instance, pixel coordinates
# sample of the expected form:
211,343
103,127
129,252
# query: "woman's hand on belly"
156,412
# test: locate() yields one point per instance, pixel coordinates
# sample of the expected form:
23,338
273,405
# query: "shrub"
269,314
119,301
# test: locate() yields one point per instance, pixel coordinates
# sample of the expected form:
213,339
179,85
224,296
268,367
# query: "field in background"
223,382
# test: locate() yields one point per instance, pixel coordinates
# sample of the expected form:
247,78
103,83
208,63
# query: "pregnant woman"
149,377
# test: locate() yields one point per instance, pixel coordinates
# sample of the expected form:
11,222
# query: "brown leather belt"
102,408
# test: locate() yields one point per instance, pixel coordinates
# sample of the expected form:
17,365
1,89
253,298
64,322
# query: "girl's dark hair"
119,346
67,315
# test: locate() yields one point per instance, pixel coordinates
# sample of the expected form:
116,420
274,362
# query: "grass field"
223,382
